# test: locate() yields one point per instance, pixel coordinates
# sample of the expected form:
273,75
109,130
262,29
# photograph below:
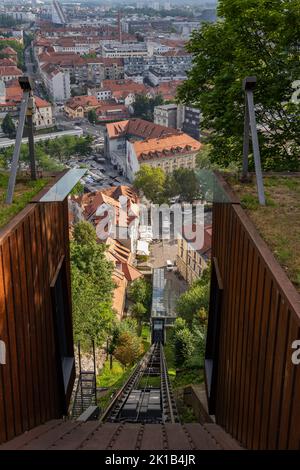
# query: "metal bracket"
27,107
249,84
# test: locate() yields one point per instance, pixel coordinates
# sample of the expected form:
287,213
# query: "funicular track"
141,401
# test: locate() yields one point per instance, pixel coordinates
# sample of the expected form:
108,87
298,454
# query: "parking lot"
100,172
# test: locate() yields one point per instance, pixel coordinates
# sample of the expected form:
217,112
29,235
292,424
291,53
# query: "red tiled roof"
41,103
50,69
165,146
139,128
124,87
10,70
8,51
83,101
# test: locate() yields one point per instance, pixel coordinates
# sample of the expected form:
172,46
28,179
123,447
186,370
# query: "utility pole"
26,111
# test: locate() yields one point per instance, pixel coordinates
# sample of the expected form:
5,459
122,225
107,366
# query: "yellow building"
190,261
167,152
78,106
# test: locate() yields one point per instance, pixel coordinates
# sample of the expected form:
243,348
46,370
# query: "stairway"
86,389
85,394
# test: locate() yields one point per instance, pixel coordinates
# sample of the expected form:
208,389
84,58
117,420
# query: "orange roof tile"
139,128
165,146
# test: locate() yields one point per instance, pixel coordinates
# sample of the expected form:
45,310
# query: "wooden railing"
32,247
257,389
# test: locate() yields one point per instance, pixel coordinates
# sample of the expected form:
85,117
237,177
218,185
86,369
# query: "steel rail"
123,393
166,391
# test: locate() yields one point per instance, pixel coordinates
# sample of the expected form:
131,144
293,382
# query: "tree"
8,126
143,107
182,341
151,182
254,38
129,349
186,181
194,302
127,325
83,145
92,116
92,287
140,291
139,312
93,318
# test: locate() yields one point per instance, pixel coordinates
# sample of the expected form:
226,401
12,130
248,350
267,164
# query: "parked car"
170,265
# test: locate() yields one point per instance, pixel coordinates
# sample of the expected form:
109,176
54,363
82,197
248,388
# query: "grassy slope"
179,379
279,221
114,378
25,190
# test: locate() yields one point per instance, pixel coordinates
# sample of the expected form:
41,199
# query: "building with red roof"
9,73
168,153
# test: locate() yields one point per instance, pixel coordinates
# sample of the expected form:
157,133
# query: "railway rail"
146,396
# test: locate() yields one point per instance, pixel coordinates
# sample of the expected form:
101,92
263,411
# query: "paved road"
9,142
162,251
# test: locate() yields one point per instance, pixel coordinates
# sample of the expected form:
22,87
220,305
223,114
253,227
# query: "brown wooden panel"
249,363
33,330
260,317
244,339
289,378
8,425
16,288
31,247
281,353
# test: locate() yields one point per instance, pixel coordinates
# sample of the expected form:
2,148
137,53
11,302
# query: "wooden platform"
92,435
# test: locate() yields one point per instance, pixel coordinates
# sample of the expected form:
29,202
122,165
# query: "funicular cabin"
163,312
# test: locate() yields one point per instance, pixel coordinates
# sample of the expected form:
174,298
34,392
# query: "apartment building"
84,70
125,50
168,153
9,73
10,102
192,259
57,82
43,116
186,118
166,115
121,203
122,91
191,121
78,106
118,133
157,75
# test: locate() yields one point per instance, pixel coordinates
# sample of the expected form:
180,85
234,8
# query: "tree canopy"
92,286
254,38
143,107
8,126
151,181
129,348
159,187
51,154
92,116
194,302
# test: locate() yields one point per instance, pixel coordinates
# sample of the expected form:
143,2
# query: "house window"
213,337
